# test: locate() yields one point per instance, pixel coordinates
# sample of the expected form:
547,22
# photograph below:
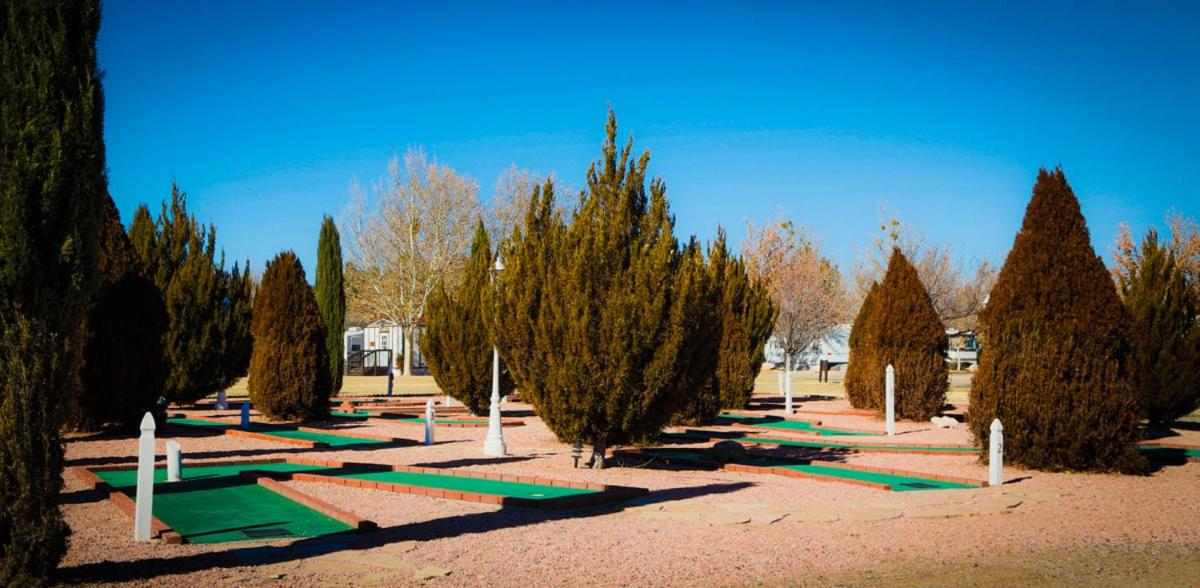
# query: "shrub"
288,364
1165,333
601,314
457,343
1056,364
863,366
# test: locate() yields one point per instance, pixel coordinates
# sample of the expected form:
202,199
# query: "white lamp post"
494,444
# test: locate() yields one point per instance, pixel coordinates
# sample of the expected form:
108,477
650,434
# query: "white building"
370,350
834,348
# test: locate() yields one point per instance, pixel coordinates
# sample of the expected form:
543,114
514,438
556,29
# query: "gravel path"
696,528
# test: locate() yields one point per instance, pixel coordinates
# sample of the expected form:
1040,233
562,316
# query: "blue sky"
264,112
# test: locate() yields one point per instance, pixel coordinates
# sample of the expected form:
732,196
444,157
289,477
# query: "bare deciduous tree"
957,293
411,232
510,200
805,285
1184,243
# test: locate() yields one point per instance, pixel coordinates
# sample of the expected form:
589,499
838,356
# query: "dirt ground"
694,528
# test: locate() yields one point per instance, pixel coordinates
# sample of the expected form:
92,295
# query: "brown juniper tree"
1056,366
288,366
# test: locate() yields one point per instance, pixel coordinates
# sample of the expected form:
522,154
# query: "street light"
494,444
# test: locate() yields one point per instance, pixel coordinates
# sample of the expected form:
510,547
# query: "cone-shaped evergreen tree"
863,369
908,335
331,298
457,343
1056,362
1165,333
123,369
288,365
598,316
207,343
52,186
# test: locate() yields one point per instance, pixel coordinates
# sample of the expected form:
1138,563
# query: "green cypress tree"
331,298
458,338
863,369
1056,362
906,333
1165,333
598,313
288,366
52,187
123,370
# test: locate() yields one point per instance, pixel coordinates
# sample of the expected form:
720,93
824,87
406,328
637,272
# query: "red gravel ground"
696,528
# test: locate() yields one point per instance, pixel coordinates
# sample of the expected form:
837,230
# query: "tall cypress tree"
1165,333
52,187
288,367
331,298
123,369
1056,362
599,317
458,338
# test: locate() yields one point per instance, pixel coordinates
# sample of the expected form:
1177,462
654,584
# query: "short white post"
174,461
145,481
787,384
430,416
222,402
780,378
448,402
246,414
996,454
890,383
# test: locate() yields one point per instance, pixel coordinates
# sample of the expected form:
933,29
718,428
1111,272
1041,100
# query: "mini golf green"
364,415
330,439
899,483
1167,452
477,485
774,422
707,435
213,505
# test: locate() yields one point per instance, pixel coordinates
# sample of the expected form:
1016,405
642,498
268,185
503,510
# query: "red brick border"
604,494
848,447
158,529
395,415
356,522
735,467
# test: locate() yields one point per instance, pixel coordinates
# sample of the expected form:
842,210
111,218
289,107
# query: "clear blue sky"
265,111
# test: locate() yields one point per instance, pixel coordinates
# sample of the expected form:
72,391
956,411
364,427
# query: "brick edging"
895,472
354,521
930,448
604,493
126,504
509,422
340,433
235,432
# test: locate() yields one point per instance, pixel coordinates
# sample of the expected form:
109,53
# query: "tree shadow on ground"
441,528
473,461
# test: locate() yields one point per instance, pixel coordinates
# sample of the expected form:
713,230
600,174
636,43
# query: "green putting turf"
773,422
1158,451
330,439
213,505
898,483
818,444
477,485
363,415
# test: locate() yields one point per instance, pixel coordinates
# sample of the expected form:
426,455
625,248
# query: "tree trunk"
598,451
406,337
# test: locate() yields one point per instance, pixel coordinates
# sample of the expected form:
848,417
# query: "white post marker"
430,415
780,378
145,481
174,461
890,383
787,384
246,414
222,402
996,454
494,444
